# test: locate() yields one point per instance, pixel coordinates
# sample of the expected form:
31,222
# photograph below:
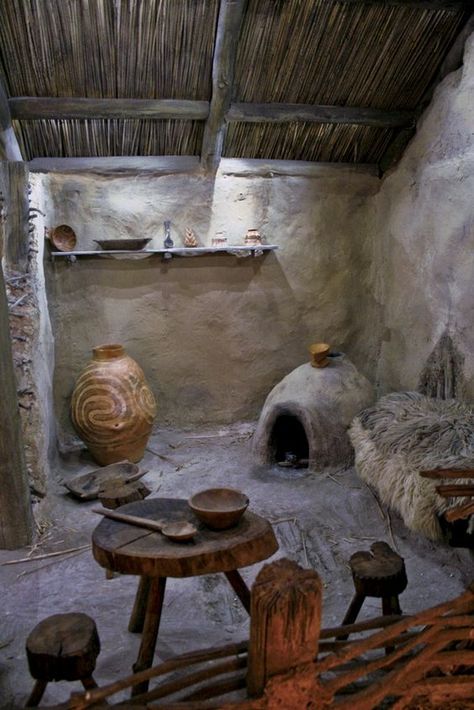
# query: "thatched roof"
226,57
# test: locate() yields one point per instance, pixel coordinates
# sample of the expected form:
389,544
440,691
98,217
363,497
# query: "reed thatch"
308,141
108,137
108,48
382,56
341,54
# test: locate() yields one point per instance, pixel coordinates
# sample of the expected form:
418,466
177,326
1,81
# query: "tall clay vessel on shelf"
112,406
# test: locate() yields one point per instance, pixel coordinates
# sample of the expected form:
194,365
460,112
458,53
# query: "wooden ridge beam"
231,14
9,148
36,108
446,5
285,113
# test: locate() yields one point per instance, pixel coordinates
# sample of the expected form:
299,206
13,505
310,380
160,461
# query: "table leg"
137,617
239,587
154,606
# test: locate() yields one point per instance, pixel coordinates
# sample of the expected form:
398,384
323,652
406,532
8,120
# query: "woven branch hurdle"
289,656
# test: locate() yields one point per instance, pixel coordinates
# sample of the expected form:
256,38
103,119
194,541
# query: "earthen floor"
320,519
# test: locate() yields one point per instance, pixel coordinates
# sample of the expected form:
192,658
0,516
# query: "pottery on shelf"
190,239
319,354
253,238
219,240
112,407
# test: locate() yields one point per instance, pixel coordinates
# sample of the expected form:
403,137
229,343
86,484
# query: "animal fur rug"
405,433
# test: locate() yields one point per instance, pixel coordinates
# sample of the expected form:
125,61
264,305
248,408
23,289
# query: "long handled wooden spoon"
174,531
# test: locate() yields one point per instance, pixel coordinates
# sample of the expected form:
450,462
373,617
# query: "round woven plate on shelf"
63,238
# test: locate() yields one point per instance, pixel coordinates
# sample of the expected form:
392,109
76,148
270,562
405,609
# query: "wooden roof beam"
9,148
39,108
286,113
231,14
35,108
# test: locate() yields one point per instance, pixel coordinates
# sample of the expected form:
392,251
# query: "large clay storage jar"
112,406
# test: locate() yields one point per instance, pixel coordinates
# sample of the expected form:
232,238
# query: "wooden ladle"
179,532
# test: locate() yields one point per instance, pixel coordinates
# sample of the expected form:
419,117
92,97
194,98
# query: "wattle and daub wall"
379,269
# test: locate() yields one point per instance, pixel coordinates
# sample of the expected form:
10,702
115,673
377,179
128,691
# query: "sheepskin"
405,433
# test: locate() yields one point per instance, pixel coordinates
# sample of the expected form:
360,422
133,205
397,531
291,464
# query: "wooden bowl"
219,508
319,354
123,244
63,238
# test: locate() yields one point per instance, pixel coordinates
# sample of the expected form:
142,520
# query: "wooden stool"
378,573
62,647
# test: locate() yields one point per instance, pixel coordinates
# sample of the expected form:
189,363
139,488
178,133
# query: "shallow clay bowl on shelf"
63,238
122,244
219,508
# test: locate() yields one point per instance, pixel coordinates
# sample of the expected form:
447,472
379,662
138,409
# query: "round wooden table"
132,550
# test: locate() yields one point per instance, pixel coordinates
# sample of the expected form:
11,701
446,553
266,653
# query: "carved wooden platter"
87,486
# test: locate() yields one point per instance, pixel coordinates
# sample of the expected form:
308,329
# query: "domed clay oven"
306,416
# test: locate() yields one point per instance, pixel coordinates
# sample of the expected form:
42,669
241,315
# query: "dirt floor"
320,519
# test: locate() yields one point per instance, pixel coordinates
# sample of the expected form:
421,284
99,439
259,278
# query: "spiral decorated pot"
112,407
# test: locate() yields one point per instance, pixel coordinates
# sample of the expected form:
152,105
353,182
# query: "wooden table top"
131,550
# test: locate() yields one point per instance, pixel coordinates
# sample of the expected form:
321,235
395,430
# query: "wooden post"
231,14
15,506
285,620
9,148
16,206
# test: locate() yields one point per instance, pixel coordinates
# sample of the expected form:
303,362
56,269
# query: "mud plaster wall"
424,215
213,334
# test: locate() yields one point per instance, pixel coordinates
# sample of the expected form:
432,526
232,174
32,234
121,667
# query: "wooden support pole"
285,621
9,148
16,208
231,15
285,113
15,506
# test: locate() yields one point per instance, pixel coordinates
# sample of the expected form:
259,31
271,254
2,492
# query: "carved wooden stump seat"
377,573
62,647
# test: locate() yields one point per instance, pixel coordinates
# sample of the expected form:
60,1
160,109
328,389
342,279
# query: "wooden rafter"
35,108
231,14
285,113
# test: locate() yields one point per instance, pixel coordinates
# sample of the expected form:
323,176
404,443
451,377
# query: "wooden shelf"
237,250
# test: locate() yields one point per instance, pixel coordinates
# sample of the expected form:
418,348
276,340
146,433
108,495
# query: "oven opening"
288,442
